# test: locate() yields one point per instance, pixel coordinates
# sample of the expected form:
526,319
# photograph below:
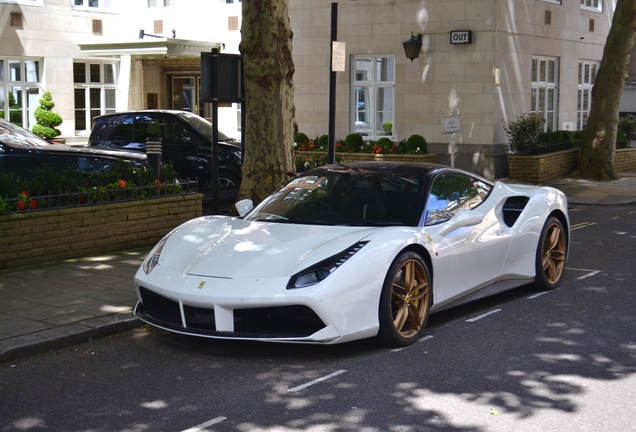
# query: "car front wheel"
551,255
405,301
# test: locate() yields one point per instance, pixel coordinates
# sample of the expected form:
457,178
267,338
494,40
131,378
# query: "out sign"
461,37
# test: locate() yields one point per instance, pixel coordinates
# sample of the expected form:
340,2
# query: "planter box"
321,157
51,235
625,159
539,169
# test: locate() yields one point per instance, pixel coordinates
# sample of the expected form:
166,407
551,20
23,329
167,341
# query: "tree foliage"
597,157
266,48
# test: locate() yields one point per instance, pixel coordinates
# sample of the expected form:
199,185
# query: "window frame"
373,84
549,88
99,96
584,91
591,7
26,88
101,5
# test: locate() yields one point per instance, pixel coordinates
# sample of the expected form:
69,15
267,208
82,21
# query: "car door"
470,241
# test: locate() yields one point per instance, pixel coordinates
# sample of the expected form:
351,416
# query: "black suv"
186,142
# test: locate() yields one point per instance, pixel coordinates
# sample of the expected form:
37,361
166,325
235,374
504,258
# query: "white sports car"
351,251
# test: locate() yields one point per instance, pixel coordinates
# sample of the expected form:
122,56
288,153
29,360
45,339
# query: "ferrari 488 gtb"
351,251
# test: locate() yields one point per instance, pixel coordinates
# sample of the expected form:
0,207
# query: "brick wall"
625,159
36,237
539,169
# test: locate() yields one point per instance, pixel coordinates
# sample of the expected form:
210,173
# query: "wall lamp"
142,33
413,46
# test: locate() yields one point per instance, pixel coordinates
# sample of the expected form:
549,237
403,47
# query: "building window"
232,1
93,4
20,90
587,75
373,90
160,3
544,92
95,92
595,5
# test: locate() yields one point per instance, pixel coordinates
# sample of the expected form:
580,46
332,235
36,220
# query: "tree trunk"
266,47
599,141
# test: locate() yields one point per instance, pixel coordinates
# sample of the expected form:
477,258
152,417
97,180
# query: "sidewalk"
63,303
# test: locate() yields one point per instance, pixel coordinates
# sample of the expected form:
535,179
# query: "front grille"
160,308
284,321
271,322
199,318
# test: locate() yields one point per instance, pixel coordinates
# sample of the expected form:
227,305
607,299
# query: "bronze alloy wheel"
554,252
410,298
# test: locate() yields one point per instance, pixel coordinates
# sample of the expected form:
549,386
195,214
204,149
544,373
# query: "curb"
83,331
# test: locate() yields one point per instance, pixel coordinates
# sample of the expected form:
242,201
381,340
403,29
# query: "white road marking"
619,232
425,338
534,296
483,316
581,225
316,381
591,272
206,424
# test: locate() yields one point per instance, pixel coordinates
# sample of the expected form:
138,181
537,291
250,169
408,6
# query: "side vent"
512,209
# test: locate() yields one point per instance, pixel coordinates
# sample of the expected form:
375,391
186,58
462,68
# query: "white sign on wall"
338,56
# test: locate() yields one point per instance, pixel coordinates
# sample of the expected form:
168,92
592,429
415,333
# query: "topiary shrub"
524,131
354,142
47,120
384,145
301,138
323,141
626,130
416,144
387,127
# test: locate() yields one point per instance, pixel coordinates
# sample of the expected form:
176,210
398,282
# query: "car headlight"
238,155
319,271
153,257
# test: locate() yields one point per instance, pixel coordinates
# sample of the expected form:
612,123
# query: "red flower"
82,199
311,146
33,204
158,185
338,144
122,183
21,205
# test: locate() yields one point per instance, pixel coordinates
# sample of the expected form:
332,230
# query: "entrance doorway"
185,93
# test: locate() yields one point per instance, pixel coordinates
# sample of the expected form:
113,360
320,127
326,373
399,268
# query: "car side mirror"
183,140
244,206
462,218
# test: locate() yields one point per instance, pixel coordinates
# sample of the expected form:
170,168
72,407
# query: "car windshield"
345,197
14,135
203,126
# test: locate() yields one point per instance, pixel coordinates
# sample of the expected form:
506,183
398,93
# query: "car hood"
225,247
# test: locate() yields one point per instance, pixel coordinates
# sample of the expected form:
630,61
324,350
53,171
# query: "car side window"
450,193
123,133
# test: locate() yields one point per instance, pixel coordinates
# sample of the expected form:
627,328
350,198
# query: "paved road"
521,360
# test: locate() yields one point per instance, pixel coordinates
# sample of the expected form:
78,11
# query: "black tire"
404,310
226,179
552,252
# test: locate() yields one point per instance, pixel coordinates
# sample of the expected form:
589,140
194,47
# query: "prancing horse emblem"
201,285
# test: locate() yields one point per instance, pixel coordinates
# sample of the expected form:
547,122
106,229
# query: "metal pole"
331,155
215,138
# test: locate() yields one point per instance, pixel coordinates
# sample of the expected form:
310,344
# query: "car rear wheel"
405,301
551,254
226,179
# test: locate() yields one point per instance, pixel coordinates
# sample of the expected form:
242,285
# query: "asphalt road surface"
517,361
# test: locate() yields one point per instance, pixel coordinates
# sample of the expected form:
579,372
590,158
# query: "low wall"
625,159
352,157
51,235
539,169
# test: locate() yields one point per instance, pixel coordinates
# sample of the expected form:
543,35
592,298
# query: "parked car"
186,142
23,153
352,251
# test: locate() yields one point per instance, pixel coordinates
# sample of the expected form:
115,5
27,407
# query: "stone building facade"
523,56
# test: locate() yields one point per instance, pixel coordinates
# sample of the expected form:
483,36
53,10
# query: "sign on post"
451,124
338,57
